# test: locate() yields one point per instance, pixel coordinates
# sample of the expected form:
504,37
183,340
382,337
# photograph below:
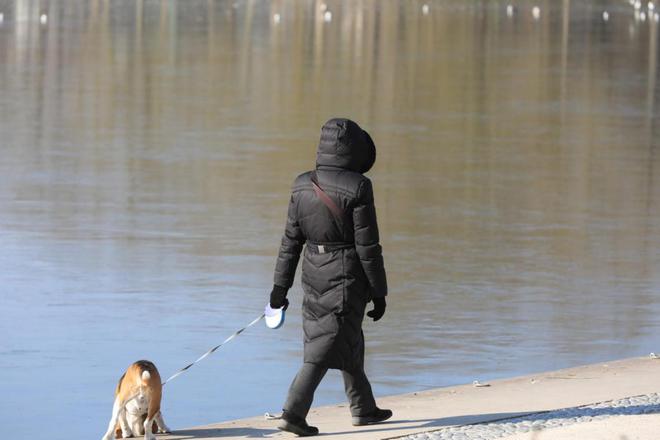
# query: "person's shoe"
380,415
297,425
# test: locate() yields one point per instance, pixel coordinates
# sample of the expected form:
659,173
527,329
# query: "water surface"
147,152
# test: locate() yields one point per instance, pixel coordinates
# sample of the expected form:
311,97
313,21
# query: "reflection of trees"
518,143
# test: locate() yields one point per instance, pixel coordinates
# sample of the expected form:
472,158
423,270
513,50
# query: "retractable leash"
238,332
274,319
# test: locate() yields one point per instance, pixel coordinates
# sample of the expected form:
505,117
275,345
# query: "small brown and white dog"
136,410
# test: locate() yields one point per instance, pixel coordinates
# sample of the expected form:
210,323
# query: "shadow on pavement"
421,425
185,434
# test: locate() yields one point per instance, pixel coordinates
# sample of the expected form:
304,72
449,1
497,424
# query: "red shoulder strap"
327,201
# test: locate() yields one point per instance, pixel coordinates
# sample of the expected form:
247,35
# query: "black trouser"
301,392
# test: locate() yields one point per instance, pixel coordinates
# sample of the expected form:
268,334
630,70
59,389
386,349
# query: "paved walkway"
567,393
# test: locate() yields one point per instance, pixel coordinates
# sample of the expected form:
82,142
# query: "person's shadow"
392,425
184,434
423,425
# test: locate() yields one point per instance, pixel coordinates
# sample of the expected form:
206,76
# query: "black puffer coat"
339,283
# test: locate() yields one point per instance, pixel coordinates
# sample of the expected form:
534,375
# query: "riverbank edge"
430,410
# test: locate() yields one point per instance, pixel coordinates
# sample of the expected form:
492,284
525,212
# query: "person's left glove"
278,297
379,308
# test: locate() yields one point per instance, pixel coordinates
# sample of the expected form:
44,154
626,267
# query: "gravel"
645,404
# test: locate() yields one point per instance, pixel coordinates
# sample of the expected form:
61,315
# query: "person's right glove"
379,308
278,297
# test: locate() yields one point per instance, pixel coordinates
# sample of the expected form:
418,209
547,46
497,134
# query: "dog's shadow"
185,434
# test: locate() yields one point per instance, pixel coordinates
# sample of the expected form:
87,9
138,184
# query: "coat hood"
345,145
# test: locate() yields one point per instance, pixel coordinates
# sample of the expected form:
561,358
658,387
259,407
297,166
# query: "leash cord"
215,348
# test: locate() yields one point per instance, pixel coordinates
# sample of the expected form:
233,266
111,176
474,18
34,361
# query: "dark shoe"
380,415
297,425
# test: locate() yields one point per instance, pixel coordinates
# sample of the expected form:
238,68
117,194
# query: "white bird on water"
327,16
43,19
2,17
536,12
277,18
509,10
651,6
606,16
425,9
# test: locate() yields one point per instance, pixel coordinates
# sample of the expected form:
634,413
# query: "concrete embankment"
432,414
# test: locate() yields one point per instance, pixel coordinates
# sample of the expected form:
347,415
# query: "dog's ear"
121,379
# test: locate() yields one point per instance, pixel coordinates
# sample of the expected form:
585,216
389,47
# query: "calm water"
147,152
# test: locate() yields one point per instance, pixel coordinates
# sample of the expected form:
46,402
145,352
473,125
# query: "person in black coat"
331,213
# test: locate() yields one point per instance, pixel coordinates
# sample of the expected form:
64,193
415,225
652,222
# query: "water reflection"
149,146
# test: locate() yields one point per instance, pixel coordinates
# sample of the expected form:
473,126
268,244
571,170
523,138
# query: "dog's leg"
126,431
162,427
148,429
116,409
138,426
149,421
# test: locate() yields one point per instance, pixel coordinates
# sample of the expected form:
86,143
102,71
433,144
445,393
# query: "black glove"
278,297
379,308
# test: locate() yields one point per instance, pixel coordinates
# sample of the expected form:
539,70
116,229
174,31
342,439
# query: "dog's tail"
146,370
143,378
